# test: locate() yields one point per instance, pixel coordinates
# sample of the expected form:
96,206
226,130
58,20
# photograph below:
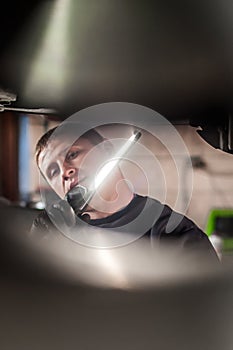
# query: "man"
67,164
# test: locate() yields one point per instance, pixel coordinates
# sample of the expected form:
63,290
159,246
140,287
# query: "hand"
62,215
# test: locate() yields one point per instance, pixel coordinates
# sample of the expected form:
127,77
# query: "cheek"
94,160
56,185
88,164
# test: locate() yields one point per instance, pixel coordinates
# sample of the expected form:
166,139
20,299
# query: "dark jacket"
144,218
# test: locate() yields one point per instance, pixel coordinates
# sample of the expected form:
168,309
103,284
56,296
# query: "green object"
210,229
228,244
213,215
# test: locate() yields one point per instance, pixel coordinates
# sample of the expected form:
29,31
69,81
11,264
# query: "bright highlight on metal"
47,74
108,168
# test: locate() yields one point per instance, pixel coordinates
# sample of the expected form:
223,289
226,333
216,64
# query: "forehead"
58,148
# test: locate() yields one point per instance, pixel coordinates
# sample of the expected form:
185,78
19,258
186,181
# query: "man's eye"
53,172
72,155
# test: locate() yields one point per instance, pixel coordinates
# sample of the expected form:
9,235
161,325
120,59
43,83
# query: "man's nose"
68,173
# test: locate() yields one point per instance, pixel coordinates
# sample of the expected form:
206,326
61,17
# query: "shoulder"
177,228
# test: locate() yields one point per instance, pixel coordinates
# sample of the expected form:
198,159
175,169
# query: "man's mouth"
76,182
73,184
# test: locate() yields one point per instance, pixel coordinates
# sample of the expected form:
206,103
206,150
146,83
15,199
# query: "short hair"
92,135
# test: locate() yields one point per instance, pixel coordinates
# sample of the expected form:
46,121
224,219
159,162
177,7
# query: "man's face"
66,166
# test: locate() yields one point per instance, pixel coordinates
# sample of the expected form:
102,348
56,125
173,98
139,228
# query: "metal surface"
57,294
172,56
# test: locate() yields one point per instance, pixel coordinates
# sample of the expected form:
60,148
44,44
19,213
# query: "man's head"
65,161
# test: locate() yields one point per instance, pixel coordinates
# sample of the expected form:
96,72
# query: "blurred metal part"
219,134
136,266
29,110
174,57
7,96
55,292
